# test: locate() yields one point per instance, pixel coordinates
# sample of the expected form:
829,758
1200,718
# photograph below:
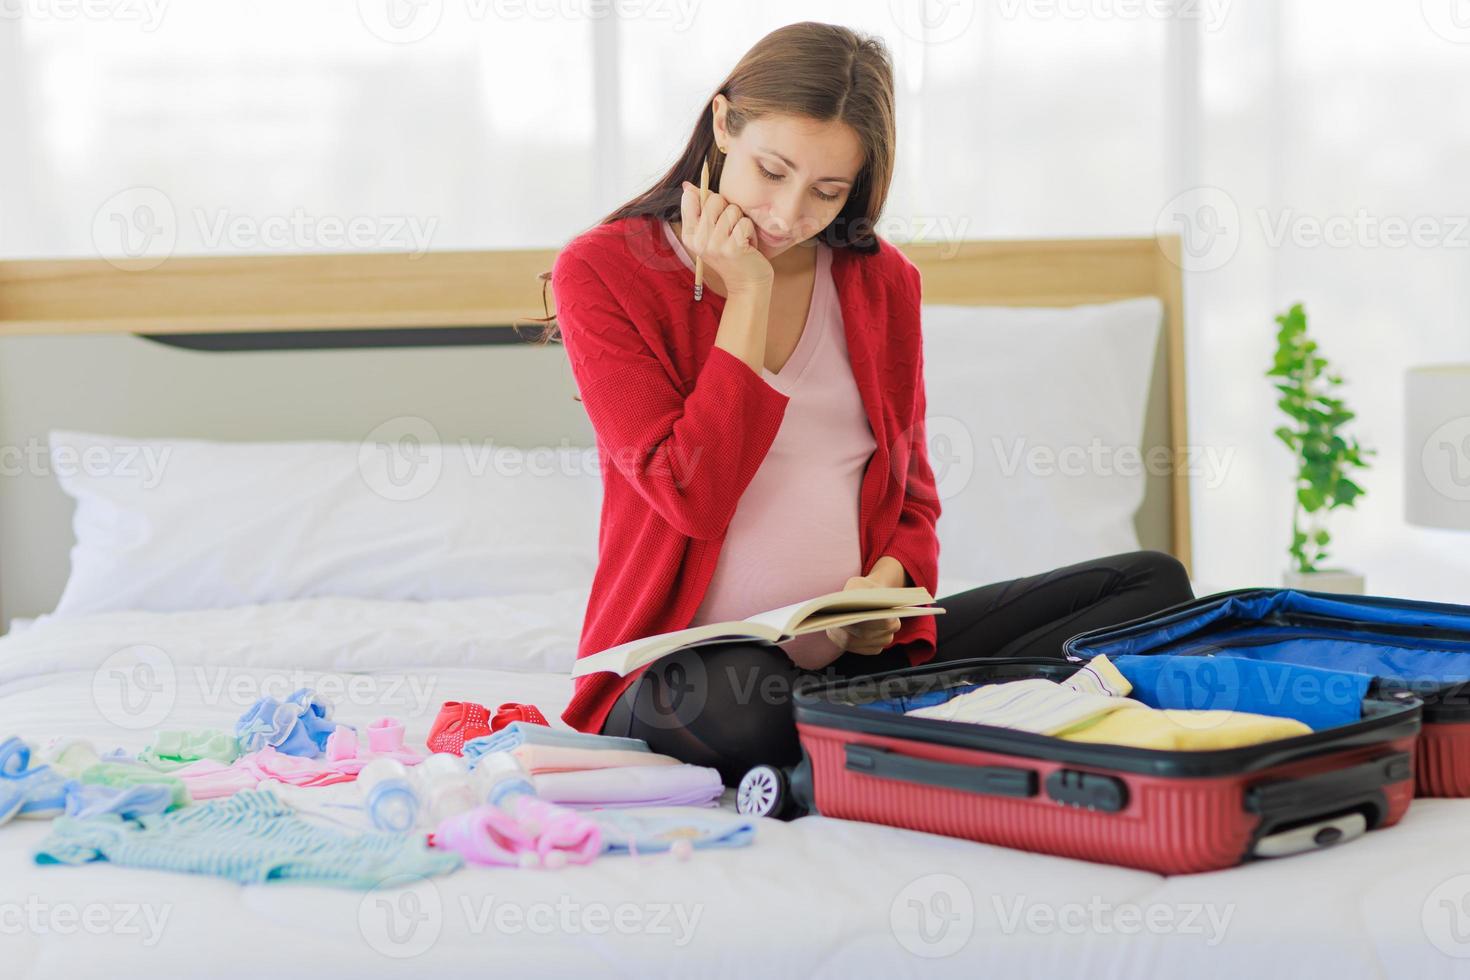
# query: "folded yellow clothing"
1180,729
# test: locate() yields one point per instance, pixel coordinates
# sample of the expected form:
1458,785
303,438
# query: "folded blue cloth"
299,725
519,733
631,832
128,802
31,791
12,797
1317,697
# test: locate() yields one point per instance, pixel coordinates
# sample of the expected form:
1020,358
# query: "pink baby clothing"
795,531
342,759
537,759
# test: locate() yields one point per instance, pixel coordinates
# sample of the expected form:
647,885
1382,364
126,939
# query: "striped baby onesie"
252,838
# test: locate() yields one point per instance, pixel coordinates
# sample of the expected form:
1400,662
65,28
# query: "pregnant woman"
765,444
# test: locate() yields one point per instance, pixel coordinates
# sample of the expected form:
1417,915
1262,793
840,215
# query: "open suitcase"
1393,645
1165,811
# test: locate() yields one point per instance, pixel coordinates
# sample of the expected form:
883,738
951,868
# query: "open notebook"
775,626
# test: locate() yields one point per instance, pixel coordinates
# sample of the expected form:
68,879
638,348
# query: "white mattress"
815,897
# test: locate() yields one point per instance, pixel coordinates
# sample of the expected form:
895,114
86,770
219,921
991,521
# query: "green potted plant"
1325,456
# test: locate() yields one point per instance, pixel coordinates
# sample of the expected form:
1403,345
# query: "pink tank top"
794,533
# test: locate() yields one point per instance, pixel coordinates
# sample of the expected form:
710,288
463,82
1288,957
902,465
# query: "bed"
252,349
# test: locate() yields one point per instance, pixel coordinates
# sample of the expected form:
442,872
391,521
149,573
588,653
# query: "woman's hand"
865,638
720,233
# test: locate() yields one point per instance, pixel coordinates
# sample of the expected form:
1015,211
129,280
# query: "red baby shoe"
515,711
457,723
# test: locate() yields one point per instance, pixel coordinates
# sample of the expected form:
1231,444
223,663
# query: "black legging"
728,705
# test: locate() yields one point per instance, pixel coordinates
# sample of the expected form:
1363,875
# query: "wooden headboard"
71,357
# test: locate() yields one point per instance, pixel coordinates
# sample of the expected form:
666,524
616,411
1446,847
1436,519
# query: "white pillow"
175,524
1017,399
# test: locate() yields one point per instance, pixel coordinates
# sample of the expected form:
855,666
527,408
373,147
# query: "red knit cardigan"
682,426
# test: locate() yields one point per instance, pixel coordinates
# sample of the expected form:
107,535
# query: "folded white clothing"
1039,705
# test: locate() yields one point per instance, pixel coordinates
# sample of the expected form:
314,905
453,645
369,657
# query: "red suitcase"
1164,811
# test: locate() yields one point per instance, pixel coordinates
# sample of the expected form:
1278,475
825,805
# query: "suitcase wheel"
765,791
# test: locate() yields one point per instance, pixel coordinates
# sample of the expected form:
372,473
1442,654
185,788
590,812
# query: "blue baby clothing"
519,733
252,838
299,725
1317,697
631,832
26,790
128,802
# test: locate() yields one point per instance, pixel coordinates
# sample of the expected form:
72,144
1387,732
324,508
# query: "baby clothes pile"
290,794
575,768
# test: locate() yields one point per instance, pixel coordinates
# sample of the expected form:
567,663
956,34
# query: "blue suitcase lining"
1318,698
1310,671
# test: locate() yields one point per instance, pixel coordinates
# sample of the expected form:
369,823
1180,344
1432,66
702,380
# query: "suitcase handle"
985,780
1360,787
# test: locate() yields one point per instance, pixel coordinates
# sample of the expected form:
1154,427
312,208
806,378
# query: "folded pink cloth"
678,785
342,760
537,759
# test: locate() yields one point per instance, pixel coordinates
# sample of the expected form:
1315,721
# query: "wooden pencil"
699,261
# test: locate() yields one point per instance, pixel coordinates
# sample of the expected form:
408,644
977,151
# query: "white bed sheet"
815,897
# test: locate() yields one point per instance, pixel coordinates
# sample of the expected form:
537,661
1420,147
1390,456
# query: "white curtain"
203,126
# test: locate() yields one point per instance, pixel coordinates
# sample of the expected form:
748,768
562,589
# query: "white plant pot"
1338,580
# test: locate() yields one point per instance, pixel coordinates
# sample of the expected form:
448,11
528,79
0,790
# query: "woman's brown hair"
822,72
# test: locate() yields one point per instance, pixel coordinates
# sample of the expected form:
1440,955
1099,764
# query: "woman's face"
790,175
